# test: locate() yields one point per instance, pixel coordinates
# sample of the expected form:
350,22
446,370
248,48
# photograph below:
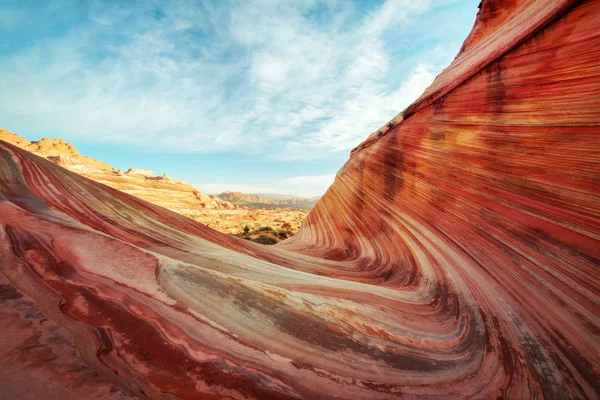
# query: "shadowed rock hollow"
455,256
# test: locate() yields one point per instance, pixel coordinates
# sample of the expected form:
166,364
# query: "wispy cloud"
295,80
302,186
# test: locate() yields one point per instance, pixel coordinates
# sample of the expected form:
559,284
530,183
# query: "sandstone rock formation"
176,195
170,193
146,173
455,256
58,151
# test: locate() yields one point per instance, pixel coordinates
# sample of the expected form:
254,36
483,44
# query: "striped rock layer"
455,256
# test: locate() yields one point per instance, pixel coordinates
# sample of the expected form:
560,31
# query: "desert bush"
264,239
286,225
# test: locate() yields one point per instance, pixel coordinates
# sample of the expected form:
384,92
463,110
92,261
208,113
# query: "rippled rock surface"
455,256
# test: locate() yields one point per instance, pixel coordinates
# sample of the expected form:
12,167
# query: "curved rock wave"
456,255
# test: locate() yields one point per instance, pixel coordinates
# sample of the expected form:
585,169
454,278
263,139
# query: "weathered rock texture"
174,194
455,256
58,151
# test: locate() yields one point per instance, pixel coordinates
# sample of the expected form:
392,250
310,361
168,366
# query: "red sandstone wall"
497,184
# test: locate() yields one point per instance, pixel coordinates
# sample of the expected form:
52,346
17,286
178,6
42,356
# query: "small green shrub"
264,239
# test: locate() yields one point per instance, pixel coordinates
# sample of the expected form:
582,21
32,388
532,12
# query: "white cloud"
315,185
260,77
363,113
302,186
216,188
314,180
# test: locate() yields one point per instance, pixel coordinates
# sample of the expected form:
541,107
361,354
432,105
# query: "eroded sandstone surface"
176,195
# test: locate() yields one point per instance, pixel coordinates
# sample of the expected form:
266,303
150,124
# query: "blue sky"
258,96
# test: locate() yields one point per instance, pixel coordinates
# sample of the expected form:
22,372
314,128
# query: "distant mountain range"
268,200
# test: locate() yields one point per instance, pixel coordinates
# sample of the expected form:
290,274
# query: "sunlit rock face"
174,194
455,256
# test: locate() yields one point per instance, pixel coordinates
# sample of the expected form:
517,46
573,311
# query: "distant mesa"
269,200
245,197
